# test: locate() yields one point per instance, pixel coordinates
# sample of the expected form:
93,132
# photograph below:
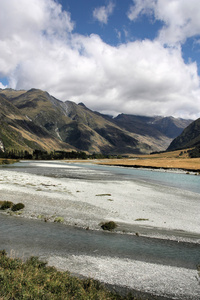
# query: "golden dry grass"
7,161
171,160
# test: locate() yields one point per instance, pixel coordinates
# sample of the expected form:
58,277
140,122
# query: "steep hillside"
152,126
189,138
44,122
18,132
170,126
158,131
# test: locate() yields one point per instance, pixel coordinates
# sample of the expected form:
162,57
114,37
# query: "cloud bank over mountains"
39,47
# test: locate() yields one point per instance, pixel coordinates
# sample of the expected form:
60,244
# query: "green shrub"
109,226
5,162
6,205
59,220
17,206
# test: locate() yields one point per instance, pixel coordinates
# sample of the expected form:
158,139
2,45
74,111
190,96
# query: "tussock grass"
59,220
111,225
167,160
10,205
33,279
7,161
6,204
17,206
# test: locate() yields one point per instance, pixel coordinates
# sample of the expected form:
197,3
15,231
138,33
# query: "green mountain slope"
18,131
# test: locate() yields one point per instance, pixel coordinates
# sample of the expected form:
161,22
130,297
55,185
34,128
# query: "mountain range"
36,120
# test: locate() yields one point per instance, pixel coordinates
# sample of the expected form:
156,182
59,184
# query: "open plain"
168,160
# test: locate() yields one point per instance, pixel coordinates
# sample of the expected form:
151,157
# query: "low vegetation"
10,205
6,204
44,155
180,159
195,152
17,206
101,195
7,161
33,279
111,225
59,220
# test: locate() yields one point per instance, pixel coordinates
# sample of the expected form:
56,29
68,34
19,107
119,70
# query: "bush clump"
17,206
6,204
59,220
109,226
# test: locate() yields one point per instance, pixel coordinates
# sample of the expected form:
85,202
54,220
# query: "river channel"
175,179
32,237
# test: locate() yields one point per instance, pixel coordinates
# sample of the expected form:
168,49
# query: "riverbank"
139,208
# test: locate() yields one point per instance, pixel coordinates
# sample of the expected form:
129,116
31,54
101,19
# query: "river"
56,169
70,245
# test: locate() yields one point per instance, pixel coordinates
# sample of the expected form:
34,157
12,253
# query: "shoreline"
136,207
153,168
147,280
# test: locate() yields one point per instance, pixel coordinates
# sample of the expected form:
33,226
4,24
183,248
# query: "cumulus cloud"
102,13
39,48
181,18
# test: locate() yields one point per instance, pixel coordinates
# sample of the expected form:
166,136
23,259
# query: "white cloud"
39,49
141,7
102,13
180,17
2,86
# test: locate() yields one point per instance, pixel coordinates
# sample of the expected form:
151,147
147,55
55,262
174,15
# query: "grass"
168,160
5,161
59,220
10,205
17,206
109,226
33,279
6,204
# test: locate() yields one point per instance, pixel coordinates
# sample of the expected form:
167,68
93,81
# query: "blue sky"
116,56
117,21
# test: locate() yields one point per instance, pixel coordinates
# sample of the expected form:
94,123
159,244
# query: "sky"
137,57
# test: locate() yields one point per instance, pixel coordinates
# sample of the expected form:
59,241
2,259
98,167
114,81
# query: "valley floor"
165,161
139,207
142,208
